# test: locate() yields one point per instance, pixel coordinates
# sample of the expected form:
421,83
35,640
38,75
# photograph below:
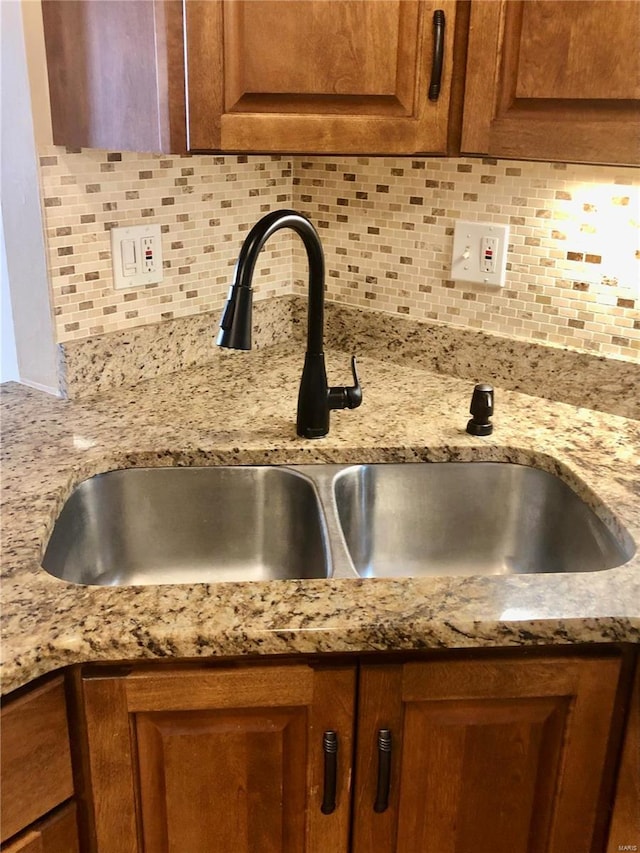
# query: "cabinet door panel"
461,751
317,75
553,80
577,54
498,757
226,759
252,764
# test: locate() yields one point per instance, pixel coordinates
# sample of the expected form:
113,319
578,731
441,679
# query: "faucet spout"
315,398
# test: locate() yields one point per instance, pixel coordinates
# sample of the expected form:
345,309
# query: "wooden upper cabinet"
503,756
224,759
116,74
553,80
314,76
317,76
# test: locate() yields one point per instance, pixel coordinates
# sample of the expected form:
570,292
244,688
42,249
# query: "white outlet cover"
136,276
466,258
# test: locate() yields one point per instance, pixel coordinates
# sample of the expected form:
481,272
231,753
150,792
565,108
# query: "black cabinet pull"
438,55
330,749
384,771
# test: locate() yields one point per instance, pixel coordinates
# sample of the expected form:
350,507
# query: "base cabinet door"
220,760
57,833
486,757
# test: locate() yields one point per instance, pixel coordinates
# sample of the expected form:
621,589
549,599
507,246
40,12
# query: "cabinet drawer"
56,834
35,763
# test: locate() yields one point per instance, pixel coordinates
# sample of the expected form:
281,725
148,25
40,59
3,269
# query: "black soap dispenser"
481,410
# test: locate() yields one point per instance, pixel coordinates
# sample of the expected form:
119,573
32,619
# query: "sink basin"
200,525
481,518
189,525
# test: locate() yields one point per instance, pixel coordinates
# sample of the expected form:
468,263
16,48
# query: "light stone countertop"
241,409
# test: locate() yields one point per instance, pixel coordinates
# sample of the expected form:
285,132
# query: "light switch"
136,256
128,257
480,252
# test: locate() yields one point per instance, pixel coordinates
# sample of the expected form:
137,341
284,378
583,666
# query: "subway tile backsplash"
573,267
573,275
204,205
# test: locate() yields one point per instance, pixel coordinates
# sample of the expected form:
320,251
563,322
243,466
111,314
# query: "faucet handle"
347,396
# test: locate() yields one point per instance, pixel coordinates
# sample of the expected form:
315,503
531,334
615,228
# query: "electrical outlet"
136,256
480,252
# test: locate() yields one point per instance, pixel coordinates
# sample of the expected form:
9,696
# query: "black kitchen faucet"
315,397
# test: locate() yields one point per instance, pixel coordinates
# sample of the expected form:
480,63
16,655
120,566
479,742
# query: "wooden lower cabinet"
624,831
35,756
224,760
57,833
487,755
501,756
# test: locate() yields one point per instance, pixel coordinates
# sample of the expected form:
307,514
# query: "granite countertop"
241,409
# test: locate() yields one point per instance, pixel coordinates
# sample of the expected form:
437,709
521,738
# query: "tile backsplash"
573,275
204,205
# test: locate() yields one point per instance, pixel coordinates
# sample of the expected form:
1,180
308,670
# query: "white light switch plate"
480,252
136,256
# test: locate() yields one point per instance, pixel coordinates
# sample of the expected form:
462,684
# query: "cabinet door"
624,831
487,757
225,759
57,833
116,73
554,80
317,76
35,756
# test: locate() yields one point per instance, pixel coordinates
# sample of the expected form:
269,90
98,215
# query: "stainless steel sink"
482,518
189,525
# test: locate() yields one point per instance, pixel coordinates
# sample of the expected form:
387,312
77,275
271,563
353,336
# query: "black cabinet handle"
384,771
330,749
438,55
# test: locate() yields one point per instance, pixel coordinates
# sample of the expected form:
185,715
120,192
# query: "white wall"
21,212
8,358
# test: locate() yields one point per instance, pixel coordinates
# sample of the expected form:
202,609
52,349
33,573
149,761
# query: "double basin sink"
245,523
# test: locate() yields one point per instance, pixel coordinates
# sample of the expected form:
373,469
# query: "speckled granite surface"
243,411
545,370
95,365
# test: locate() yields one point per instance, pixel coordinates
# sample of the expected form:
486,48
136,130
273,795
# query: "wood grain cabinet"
57,833
37,814
552,80
505,755
624,830
338,76
315,76
220,760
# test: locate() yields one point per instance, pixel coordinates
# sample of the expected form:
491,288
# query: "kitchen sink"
244,523
190,525
453,518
